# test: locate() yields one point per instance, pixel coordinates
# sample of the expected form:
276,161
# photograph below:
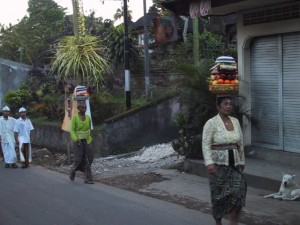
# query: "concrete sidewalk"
263,178
259,173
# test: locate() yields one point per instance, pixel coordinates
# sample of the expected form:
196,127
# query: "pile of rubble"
143,161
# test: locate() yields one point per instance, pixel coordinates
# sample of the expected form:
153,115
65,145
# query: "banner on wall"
165,29
202,8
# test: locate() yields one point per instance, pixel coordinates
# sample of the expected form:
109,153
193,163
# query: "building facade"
268,41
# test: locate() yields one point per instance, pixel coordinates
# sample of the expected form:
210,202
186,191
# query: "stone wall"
146,126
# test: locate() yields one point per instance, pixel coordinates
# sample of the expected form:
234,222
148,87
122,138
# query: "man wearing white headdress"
7,124
1,152
22,131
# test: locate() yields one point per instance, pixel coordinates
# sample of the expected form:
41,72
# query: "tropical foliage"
94,24
120,13
31,36
114,40
81,58
21,97
198,106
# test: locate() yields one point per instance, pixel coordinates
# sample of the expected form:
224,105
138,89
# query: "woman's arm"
207,137
241,144
73,129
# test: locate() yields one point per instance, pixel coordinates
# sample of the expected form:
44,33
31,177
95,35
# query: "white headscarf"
22,109
6,109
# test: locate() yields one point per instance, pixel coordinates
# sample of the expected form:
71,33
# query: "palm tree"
114,40
120,13
78,18
81,57
93,24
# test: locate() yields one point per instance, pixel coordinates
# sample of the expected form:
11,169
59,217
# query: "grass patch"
45,121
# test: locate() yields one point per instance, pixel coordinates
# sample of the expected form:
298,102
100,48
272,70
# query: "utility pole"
196,40
20,49
146,52
126,59
126,56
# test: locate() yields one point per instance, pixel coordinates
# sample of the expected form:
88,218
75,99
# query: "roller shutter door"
264,92
275,92
291,92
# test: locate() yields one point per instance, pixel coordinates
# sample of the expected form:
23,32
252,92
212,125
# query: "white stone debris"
147,159
154,153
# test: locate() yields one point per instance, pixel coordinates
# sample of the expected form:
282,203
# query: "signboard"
165,29
202,8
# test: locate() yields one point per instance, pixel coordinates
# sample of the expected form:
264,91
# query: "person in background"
22,131
223,152
81,136
1,151
7,138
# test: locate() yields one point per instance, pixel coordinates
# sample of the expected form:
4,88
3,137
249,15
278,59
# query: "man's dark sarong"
228,191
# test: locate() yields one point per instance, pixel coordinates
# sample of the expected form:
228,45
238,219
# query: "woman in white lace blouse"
223,152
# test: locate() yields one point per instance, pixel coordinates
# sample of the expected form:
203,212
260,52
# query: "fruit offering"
224,76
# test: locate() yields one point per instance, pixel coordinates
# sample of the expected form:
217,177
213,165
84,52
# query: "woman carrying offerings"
81,136
223,152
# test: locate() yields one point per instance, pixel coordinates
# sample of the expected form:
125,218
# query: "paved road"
36,196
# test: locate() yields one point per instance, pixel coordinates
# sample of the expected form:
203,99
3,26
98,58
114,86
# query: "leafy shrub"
198,105
49,101
18,98
187,145
100,106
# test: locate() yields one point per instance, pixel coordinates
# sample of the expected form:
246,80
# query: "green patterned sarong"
228,191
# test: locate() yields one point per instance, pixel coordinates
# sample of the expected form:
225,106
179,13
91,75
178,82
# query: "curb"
198,168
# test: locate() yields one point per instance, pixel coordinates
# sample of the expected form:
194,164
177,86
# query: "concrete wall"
146,126
11,75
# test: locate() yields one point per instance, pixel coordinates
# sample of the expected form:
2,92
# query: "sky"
13,10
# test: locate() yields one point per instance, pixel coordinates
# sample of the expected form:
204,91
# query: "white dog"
289,190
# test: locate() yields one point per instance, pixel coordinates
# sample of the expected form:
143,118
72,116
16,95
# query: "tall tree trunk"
78,18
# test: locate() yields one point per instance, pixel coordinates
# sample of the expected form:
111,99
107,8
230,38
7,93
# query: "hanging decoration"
199,9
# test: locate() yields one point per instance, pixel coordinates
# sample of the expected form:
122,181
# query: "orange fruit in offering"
226,81
220,81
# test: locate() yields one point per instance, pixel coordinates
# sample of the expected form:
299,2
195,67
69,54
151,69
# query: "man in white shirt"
1,152
7,125
22,131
